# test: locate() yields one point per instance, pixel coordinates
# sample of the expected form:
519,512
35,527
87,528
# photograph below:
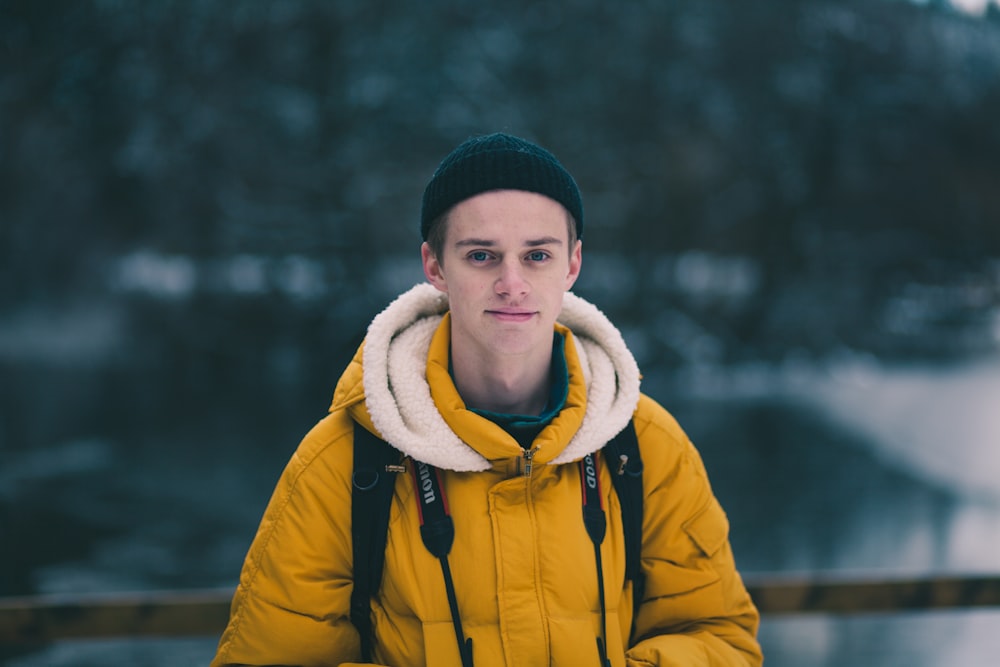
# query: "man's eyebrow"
545,240
489,243
475,242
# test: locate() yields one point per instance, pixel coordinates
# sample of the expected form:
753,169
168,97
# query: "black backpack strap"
625,464
373,481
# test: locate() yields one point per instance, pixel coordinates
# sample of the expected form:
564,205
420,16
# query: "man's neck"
505,385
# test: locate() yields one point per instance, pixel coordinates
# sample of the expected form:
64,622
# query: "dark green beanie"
498,162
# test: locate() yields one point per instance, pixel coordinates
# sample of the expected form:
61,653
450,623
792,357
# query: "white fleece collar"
399,400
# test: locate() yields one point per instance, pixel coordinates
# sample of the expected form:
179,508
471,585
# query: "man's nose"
511,280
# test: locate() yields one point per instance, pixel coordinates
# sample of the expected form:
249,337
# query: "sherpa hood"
398,387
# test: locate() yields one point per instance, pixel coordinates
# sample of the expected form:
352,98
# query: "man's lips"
511,315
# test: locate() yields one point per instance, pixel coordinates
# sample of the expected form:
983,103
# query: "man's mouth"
511,315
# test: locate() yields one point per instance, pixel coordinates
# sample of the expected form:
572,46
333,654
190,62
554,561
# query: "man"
494,381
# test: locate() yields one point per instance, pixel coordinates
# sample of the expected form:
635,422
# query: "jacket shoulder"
657,429
325,450
670,460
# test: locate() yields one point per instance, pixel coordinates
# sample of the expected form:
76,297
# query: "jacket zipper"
529,454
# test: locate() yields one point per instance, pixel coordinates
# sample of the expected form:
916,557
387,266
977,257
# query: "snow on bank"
942,423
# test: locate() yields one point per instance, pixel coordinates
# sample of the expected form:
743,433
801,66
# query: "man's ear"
432,268
575,264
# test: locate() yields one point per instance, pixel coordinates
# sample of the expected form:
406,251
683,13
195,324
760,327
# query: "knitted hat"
498,162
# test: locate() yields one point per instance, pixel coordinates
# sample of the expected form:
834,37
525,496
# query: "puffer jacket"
522,563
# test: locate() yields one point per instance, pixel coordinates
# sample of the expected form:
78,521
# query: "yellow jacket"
522,562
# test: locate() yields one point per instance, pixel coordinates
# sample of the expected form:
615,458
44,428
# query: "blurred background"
792,212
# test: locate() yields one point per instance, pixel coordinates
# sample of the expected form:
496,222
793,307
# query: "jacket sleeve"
292,605
695,610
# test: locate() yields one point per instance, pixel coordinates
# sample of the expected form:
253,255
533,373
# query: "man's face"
505,266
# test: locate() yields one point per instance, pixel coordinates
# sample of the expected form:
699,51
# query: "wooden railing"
837,595
41,619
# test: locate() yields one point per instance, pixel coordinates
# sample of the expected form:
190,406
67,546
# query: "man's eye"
479,256
537,256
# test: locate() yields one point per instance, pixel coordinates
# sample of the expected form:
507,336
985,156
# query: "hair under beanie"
498,162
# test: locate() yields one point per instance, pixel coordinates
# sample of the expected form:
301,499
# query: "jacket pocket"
685,565
709,528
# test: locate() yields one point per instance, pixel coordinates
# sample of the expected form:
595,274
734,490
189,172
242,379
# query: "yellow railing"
40,619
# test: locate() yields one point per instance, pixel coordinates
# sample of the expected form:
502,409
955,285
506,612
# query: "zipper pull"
623,459
528,455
